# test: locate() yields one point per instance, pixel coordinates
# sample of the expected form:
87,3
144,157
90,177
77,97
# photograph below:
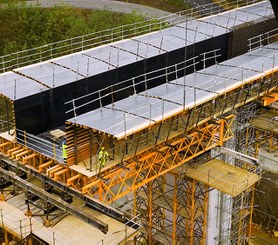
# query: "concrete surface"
115,6
269,161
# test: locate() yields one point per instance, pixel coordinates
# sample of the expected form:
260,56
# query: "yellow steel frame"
175,207
270,97
263,136
157,161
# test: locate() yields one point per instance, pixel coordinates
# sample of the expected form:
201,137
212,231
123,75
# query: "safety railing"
263,39
80,43
21,228
140,83
6,125
269,222
24,228
122,234
38,144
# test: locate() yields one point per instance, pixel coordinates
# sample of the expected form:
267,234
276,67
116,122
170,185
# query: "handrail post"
25,138
54,151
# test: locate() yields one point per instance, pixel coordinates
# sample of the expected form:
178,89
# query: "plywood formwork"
37,90
223,176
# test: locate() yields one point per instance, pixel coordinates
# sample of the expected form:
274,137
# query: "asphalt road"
115,6
201,3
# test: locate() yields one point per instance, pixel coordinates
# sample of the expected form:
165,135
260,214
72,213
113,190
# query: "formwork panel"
223,176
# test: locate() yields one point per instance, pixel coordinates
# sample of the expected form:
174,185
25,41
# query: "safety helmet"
102,148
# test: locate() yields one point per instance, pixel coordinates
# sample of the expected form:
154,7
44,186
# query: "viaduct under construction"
183,105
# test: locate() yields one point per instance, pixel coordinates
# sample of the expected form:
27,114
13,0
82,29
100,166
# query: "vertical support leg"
257,143
91,150
75,144
2,196
221,132
192,212
6,237
100,191
150,213
135,203
175,204
249,232
205,210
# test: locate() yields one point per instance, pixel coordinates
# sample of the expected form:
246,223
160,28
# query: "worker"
103,156
64,150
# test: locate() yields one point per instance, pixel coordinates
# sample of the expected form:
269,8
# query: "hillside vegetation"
25,27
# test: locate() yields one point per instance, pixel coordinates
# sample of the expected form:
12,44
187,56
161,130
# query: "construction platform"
223,176
179,120
267,121
37,91
147,108
68,231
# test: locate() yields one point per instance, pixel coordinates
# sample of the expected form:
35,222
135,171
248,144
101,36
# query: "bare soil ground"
267,196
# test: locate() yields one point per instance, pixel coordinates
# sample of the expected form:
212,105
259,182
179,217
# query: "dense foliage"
25,27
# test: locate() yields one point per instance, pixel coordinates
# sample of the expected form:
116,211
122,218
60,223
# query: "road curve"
115,6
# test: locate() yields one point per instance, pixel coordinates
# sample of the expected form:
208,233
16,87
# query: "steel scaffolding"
176,210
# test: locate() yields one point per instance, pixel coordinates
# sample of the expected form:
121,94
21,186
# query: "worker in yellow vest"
64,150
103,156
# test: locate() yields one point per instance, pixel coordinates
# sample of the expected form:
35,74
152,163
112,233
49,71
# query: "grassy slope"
27,27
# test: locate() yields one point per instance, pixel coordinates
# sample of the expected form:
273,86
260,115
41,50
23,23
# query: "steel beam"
89,201
160,160
50,198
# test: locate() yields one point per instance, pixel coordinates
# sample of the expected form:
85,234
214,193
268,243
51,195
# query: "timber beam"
15,166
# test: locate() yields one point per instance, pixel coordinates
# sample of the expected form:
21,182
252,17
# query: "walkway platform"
223,176
267,121
69,231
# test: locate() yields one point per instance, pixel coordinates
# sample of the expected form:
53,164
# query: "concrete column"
213,219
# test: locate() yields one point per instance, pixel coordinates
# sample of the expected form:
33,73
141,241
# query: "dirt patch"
266,198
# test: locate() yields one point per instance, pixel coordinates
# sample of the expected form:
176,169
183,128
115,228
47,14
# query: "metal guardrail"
263,39
6,125
122,233
170,73
270,222
45,147
80,43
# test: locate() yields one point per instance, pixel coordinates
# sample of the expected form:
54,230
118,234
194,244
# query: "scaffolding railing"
122,234
169,74
80,43
38,144
6,125
24,228
262,39
20,228
140,83
269,222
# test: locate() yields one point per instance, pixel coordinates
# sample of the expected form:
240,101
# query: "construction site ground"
262,237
